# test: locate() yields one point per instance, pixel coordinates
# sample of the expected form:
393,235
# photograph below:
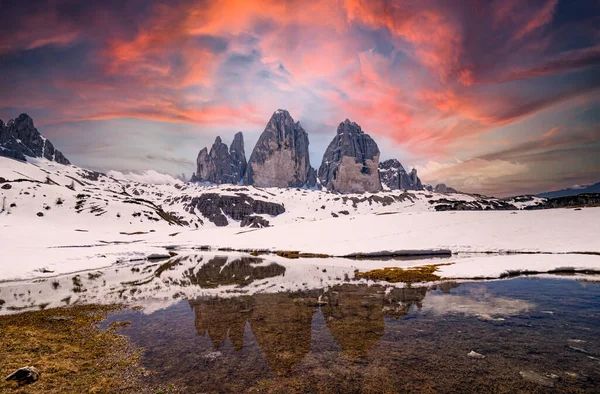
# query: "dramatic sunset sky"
497,97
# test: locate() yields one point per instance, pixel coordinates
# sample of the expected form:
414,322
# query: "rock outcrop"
280,157
442,188
216,208
393,175
19,138
220,164
350,163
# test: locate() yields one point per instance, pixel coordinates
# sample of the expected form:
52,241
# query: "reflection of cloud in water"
479,302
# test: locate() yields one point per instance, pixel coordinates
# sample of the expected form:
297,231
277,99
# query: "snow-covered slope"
71,196
58,218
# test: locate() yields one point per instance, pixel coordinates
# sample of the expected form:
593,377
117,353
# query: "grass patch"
133,233
72,354
294,254
424,273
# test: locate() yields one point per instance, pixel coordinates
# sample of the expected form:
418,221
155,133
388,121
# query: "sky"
493,97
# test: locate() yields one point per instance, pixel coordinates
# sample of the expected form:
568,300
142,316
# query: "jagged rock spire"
280,157
350,163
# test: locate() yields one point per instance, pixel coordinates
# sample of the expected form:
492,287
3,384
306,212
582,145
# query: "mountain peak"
19,138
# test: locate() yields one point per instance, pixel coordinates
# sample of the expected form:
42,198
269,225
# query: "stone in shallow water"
25,375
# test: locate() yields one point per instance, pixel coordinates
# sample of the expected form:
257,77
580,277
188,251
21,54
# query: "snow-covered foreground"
101,221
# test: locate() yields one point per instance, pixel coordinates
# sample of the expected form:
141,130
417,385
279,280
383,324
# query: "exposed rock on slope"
393,175
280,157
216,208
222,165
442,188
19,138
581,200
350,163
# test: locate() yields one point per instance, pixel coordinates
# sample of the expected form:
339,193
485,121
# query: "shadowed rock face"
222,165
216,207
280,157
393,175
19,138
238,157
350,163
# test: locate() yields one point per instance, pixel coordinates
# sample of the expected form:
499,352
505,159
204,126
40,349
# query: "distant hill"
572,191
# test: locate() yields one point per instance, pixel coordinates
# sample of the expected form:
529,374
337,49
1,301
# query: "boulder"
280,157
350,163
25,375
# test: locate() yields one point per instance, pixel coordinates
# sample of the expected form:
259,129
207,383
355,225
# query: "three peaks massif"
280,158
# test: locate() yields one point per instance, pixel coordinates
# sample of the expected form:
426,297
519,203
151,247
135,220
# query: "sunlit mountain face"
494,97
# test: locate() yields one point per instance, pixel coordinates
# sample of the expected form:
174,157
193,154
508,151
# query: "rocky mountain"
280,157
19,138
221,164
393,175
442,188
572,191
350,163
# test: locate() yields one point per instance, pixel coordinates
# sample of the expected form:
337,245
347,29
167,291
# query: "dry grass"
72,354
294,254
424,273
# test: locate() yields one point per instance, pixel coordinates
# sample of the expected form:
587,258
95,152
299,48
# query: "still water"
530,335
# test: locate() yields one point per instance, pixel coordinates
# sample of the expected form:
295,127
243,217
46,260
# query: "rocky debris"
280,157
474,354
581,200
19,138
534,377
7,186
216,207
383,200
254,221
25,375
350,163
221,165
393,175
442,188
443,204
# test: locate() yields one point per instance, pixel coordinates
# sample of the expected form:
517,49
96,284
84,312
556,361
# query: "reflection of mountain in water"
242,271
282,322
355,314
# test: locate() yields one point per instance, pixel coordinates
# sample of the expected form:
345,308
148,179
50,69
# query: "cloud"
435,77
471,175
149,176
